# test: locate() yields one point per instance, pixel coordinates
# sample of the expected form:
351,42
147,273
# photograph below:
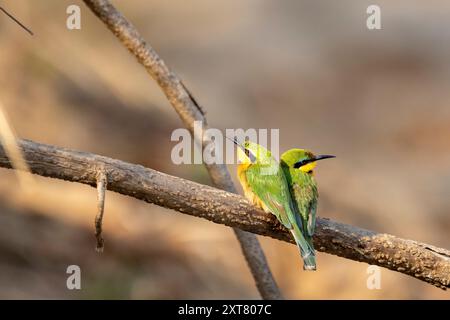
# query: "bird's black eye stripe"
303,162
299,164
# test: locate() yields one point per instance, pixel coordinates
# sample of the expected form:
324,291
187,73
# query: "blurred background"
379,100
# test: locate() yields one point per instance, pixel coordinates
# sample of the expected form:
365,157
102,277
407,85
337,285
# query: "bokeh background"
379,100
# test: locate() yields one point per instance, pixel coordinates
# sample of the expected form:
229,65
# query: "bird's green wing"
305,196
270,185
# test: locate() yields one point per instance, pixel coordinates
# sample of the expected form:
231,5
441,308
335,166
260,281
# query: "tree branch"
189,111
419,260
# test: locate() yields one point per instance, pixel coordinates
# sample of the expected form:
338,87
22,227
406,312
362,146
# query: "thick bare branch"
422,261
189,111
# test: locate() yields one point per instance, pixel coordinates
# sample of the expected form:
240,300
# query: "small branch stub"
101,190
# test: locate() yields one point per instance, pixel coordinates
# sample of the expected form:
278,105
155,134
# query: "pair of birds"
286,189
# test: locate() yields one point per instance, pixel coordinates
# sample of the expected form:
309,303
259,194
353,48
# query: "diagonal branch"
189,111
16,21
419,260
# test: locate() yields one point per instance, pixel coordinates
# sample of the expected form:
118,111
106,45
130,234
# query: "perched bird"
298,166
266,186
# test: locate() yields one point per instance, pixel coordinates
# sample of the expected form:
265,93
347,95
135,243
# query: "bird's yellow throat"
308,167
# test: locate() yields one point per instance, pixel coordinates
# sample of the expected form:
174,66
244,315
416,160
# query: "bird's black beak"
246,151
316,158
324,156
235,142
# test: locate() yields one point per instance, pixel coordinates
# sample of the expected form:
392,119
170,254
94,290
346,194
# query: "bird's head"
303,160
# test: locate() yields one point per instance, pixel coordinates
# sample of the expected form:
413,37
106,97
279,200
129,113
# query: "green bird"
298,166
265,185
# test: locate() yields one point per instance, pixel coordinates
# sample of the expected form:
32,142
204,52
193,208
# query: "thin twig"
17,21
102,185
8,138
421,261
189,111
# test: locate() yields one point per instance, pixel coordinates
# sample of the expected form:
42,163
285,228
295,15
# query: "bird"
265,186
298,166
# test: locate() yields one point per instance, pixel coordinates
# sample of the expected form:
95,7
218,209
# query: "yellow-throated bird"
298,166
265,185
